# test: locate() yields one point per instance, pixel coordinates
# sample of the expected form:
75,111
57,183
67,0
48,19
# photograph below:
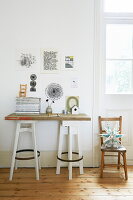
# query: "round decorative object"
54,91
33,83
33,77
33,89
72,101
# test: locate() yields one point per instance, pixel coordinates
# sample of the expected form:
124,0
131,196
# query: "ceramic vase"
49,110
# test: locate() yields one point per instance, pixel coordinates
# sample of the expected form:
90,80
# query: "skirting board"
47,158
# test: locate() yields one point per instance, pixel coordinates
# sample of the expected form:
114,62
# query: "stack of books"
28,105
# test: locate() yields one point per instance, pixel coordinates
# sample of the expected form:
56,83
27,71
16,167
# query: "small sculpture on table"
23,90
53,92
75,110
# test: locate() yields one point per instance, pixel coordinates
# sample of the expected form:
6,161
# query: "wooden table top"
44,116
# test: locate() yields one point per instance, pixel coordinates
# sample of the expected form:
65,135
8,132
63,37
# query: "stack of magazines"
28,105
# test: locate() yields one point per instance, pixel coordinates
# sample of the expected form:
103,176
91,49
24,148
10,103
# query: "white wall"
65,25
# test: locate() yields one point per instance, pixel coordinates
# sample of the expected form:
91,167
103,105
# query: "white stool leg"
70,152
80,153
39,163
59,149
35,150
16,164
14,150
16,161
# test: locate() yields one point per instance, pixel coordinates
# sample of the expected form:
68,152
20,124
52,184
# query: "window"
118,6
119,58
119,50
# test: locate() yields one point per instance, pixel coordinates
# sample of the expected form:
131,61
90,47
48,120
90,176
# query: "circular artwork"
33,77
54,91
33,83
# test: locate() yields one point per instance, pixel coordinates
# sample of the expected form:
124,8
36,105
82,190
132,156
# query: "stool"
25,126
70,160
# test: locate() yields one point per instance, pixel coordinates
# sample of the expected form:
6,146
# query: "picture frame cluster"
50,61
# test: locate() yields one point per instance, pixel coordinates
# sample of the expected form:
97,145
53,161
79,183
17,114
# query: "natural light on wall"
119,47
118,6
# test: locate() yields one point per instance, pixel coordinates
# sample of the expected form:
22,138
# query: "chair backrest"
108,120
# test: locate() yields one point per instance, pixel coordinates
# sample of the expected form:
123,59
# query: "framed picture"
49,61
26,59
68,63
71,101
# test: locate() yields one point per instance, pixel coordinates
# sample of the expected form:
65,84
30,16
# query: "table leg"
70,152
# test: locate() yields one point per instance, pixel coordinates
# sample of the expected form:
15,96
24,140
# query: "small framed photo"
49,61
68,63
26,59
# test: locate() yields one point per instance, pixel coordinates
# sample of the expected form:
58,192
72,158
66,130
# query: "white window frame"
115,18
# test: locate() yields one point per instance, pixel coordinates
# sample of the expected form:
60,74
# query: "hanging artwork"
69,62
49,61
26,60
53,92
33,78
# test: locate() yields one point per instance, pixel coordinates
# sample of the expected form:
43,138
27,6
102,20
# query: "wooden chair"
121,151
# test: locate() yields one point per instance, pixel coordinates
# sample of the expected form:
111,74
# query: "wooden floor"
57,187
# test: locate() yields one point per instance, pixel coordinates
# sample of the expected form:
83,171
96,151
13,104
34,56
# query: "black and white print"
49,61
26,60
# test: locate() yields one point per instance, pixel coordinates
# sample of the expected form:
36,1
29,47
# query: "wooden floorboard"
88,186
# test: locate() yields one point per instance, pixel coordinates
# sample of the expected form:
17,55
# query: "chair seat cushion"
112,149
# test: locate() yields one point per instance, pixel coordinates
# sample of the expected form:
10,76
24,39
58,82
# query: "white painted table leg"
70,152
59,149
35,151
80,154
14,150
